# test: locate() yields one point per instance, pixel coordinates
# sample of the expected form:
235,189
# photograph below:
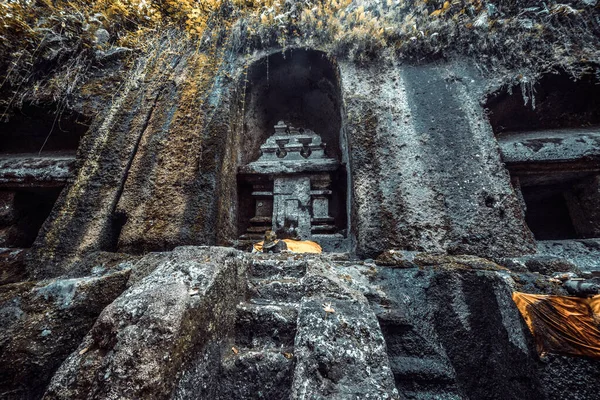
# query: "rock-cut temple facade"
434,190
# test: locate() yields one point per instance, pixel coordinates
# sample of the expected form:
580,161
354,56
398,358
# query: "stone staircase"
261,362
421,371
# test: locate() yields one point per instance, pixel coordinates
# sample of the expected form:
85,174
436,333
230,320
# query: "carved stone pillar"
321,221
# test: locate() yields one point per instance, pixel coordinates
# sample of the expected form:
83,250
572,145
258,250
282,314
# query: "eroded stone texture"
569,377
209,322
417,358
171,193
425,166
583,253
547,264
84,218
28,170
256,361
484,338
453,332
140,343
340,354
550,145
42,322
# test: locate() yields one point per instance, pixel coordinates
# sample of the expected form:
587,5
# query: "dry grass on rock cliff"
49,48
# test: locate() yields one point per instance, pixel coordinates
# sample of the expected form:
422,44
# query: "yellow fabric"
296,246
562,325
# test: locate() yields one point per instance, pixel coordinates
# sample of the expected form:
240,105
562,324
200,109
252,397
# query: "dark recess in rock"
299,86
302,88
549,135
547,214
555,101
46,128
28,209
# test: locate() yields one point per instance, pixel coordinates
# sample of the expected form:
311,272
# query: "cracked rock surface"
217,323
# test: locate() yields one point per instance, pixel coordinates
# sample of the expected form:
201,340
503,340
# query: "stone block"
341,354
145,339
42,322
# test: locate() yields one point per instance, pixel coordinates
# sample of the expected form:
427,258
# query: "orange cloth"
562,325
296,246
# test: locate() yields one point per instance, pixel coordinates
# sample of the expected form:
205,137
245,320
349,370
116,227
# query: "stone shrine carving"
292,187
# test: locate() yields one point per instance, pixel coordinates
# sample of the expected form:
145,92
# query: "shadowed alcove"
300,87
42,129
38,144
22,213
549,135
556,101
292,153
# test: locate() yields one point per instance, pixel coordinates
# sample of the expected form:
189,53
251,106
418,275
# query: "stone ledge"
550,145
289,167
32,170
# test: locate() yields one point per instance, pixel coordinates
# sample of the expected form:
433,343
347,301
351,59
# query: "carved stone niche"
291,187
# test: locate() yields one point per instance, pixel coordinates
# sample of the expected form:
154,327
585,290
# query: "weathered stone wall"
158,168
149,166
141,342
173,187
83,219
426,172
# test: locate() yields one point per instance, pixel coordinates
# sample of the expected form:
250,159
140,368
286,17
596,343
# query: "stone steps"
260,229
323,229
263,360
267,268
422,369
265,325
426,394
266,221
284,289
424,377
262,365
257,374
